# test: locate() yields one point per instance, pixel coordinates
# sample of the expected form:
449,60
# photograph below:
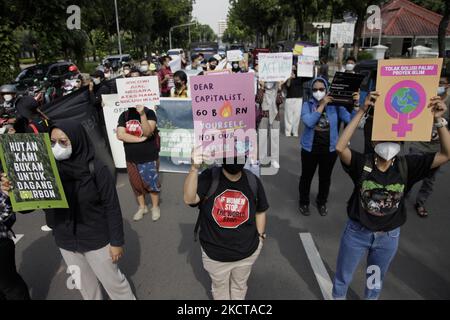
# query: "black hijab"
83,152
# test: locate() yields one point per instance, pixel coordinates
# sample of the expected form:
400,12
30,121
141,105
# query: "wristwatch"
440,123
262,236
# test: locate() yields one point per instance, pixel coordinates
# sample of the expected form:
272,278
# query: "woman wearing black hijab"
89,233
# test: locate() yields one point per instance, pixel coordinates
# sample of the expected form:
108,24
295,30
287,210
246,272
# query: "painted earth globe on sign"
405,100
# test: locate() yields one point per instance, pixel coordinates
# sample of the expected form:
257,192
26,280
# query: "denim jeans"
355,243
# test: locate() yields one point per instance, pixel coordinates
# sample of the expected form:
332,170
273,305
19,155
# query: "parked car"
117,60
53,72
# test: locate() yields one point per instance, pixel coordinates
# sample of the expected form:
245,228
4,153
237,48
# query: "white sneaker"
156,214
46,228
275,164
140,213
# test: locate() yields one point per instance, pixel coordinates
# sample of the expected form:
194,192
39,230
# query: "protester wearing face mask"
212,64
90,232
231,236
126,69
196,60
165,76
145,67
180,90
349,66
377,207
235,67
420,148
8,93
318,144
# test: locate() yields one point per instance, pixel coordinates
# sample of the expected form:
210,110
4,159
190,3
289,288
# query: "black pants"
310,161
12,286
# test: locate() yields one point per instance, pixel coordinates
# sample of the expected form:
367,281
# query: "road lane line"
317,265
17,238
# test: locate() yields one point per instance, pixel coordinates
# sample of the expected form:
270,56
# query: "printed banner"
223,110
28,161
143,91
405,87
275,67
176,129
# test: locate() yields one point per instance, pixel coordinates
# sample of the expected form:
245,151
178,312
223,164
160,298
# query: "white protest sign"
311,52
305,67
142,91
342,33
175,64
112,111
275,67
235,55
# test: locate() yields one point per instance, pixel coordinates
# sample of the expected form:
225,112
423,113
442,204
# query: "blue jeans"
356,242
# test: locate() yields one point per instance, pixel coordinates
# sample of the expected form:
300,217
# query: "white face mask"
387,150
319,95
61,153
7,97
144,68
349,66
97,81
440,91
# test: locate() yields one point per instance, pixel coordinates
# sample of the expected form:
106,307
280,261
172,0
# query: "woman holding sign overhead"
318,143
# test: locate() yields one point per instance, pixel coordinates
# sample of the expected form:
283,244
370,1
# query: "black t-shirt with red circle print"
228,218
142,152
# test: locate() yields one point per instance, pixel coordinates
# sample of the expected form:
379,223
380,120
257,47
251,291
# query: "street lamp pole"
179,26
118,28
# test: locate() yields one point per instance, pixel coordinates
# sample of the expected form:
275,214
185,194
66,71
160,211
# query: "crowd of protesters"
90,233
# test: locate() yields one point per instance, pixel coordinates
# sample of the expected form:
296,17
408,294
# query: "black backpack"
215,172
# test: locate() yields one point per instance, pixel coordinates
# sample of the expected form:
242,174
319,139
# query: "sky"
210,12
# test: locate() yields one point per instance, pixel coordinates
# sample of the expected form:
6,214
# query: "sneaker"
304,209
156,214
275,164
46,228
140,213
323,211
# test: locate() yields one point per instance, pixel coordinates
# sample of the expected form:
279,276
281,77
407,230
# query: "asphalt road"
163,262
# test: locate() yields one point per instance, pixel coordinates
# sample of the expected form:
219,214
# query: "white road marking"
17,238
317,265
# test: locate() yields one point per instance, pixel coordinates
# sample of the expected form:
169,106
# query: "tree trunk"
443,29
299,25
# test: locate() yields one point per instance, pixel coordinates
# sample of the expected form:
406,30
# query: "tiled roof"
406,19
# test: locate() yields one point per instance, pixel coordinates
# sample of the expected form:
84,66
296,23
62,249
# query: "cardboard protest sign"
311,52
28,161
305,66
223,110
217,72
235,55
112,111
175,64
142,91
342,33
405,87
275,67
176,129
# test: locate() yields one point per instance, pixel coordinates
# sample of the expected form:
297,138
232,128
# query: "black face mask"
233,168
212,67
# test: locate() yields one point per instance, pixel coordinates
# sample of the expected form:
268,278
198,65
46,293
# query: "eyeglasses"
319,89
63,143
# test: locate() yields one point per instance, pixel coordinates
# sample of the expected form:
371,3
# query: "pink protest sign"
142,91
223,108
